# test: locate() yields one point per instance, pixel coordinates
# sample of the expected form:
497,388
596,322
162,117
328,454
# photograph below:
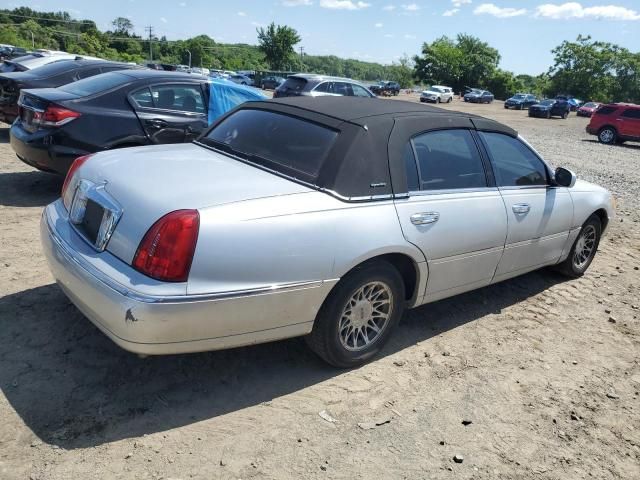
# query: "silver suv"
437,94
311,85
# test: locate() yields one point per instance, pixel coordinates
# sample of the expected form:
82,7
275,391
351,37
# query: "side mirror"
564,177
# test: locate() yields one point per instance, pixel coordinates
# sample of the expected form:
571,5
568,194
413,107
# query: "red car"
616,123
587,109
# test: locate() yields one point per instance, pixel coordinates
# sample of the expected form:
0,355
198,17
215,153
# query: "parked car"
520,101
616,123
271,82
38,59
183,68
574,103
197,71
311,85
111,110
241,79
478,96
437,94
386,88
550,108
50,75
205,260
587,109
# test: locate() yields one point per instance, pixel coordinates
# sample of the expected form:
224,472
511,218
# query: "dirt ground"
546,370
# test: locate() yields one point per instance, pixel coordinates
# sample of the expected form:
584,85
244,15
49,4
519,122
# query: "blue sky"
524,31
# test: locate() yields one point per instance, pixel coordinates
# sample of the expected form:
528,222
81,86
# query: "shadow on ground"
29,189
619,145
4,135
75,389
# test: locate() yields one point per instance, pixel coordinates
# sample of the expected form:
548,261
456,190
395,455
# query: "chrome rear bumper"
144,322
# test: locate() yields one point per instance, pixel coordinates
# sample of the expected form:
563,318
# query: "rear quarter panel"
291,238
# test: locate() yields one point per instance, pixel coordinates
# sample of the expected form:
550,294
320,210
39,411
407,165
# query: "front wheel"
358,316
584,248
565,115
450,99
607,135
438,100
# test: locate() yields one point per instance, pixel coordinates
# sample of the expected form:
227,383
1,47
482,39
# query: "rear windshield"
8,67
605,110
547,102
294,84
51,69
98,83
518,96
287,144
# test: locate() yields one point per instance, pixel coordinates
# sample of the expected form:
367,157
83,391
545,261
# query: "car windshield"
547,102
436,90
98,83
519,96
283,143
591,105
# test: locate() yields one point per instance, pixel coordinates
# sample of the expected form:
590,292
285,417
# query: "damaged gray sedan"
318,217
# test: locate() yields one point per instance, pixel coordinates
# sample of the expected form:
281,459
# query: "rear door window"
281,142
183,98
514,164
605,110
143,98
448,159
632,113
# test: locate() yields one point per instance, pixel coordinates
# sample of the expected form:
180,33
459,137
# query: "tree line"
585,68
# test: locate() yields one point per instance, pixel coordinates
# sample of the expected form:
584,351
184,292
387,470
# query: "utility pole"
301,54
150,29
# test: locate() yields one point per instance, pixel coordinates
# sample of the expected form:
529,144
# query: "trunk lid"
33,102
149,182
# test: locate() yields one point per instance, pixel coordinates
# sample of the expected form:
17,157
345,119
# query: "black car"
386,88
477,95
50,75
271,82
550,108
520,101
111,110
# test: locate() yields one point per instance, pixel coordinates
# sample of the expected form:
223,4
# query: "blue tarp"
225,95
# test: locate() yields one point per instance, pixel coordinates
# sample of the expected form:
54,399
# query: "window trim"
631,110
488,172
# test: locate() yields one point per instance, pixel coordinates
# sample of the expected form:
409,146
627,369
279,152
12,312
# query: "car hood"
149,182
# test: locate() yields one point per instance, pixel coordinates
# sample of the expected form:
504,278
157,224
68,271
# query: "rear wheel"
607,135
584,248
565,115
359,315
450,99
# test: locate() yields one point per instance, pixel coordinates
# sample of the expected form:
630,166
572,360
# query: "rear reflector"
166,251
68,187
55,116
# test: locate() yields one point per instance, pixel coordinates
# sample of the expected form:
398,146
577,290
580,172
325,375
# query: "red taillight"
166,251
55,115
77,163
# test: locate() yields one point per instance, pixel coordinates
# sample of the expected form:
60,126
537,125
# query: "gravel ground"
534,378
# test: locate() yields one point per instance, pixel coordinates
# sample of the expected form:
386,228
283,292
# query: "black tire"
438,100
450,99
607,135
549,114
570,266
325,340
565,115
520,107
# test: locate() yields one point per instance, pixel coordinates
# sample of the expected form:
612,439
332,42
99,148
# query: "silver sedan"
317,217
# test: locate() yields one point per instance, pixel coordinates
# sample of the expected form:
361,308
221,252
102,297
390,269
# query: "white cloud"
343,4
296,3
450,13
459,3
242,14
412,7
408,36
576,10
378,25
182,4
163,20
491,9
257,24
389,8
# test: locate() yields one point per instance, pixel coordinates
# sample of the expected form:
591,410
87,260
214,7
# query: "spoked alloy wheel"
365,316
585,247
359,315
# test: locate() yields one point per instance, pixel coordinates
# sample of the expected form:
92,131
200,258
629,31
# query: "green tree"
402,72
277,42
122,26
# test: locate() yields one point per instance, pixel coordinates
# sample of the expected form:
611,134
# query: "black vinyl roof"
366,161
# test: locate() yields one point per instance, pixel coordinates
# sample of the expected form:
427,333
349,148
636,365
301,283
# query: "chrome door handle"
424,218
521,208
